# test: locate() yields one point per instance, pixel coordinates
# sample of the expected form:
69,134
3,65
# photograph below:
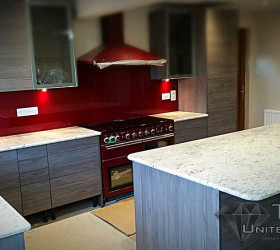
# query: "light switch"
173,95
165,96
27,111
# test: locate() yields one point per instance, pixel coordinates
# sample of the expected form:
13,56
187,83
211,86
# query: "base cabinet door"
9,179
13,197
190,130
36,197
75,187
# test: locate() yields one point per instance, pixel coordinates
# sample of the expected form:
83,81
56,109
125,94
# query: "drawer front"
9,175
33,164
8,156
75,187
34,176
74,162
32,152
66,146
36,197
190,130
33,170
13,196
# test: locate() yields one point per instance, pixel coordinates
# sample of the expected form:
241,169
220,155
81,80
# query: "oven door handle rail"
158,137
119,145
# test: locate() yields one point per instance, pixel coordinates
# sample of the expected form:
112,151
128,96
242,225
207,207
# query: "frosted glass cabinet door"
52,50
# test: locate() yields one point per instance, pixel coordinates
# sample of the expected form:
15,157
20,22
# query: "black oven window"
120,177
157,144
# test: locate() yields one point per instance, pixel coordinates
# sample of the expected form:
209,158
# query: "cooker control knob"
134,135
147,132
170,128
106,140
153,131
127,136
140,134
112,139
118,138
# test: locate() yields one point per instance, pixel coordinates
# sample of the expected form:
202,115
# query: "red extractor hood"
114,51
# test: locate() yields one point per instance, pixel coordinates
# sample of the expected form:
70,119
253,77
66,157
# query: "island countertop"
11,222
44,137
244,164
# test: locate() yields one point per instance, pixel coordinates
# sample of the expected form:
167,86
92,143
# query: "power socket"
165,96
27,111
173,95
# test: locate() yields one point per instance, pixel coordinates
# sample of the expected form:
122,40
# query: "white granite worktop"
44,137
244,164
11,222
178,116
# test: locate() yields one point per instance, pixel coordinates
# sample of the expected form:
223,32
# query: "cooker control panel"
137,133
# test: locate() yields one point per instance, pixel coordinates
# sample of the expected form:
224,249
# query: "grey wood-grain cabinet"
36,46
15,68
171,30
42,177
222,61
9,179
190,130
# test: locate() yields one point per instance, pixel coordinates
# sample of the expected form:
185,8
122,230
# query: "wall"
113,93
263,88
87,33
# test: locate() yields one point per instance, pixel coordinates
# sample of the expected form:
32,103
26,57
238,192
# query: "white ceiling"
91,8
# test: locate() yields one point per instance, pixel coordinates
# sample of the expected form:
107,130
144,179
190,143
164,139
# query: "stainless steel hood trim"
159,62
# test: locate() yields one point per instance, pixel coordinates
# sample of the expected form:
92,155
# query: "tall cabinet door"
15,69
222,34
51,40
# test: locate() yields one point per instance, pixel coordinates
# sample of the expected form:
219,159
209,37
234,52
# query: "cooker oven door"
117,177
158,141
117,173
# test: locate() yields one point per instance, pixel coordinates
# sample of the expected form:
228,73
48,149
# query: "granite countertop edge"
202,182
20,145
14,223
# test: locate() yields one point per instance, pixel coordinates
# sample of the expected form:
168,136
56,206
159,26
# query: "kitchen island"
191,195
12,227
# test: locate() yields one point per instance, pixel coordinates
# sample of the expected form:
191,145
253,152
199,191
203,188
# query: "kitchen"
84,84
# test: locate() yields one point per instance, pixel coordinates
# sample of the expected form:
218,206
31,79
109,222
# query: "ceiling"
93,8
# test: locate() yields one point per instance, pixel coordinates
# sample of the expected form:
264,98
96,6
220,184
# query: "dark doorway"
242,49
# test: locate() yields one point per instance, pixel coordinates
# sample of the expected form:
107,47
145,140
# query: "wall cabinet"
190,130
172,37
15,68
42,177
52,49
36,46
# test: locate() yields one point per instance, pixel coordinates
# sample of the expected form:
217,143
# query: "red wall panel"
102,95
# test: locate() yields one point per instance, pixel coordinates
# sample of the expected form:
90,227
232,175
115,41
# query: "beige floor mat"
81,232
133,237
120,215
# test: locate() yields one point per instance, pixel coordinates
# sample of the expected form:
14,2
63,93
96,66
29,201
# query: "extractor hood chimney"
114,51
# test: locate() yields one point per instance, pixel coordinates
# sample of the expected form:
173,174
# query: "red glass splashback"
102,95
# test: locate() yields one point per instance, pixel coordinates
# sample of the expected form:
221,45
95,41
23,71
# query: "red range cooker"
120,138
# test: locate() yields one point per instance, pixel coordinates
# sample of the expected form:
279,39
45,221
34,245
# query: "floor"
75,228
81,232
